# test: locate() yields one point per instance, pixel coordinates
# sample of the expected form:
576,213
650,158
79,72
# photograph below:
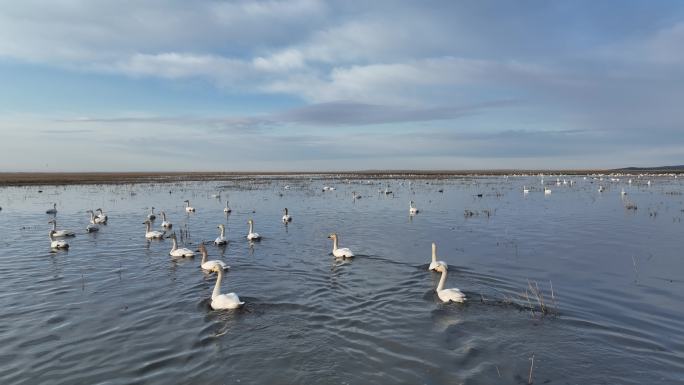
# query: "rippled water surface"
117,309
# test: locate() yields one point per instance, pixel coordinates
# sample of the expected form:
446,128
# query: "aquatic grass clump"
533,294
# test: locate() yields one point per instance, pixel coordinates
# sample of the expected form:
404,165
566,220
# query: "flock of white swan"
232,300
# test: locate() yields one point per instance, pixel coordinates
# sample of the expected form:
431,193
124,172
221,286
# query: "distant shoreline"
70,178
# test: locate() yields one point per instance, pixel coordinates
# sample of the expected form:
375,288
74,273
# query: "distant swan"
547,191
223,301
252,235
60,244
188,208
209,265
152,234
182,252
287,217
151,215
435,263
92,226
221,239
227,208
339,252
165,224
53,210
412,208
525,190
101,217
447,295
60,233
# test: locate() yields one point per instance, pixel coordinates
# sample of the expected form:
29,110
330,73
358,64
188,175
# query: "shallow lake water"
117,309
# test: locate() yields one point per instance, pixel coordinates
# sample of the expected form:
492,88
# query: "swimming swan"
101,217
61,244
412,208
60,233
227,208
188,208
287,217
182,252
53,210
223,301
92,226
252,236
339,252
209,265
165,224
221,239
447,295
151,215
152,234
435,263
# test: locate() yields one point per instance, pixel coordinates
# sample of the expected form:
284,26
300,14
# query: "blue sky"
340,85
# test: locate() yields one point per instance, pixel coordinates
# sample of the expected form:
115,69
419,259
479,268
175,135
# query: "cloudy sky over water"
311,85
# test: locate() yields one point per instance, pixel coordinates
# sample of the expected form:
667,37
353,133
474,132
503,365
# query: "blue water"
117,309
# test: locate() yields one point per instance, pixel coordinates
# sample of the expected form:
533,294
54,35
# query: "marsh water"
117,309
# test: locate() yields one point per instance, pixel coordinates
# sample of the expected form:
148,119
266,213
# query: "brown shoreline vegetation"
69,178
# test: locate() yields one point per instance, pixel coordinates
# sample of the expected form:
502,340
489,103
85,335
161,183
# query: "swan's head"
186,201
100,210
172,235
51,233
89,211
332,236
217,269
441,268
221,226
251,222
51,221
147,222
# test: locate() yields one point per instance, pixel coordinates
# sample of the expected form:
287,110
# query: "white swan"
252,236
287,217
60,233
92,226
600,189
339,252
623,192
221,239
53,210
182,252
525,190
447,295
209,265
547,191
223,301
57,244
188,208
152,234
165,224
227,208
101,217
151,215
435,263
412,208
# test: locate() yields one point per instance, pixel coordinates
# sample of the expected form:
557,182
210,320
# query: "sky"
304,85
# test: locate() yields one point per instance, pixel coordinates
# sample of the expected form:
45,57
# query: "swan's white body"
227,208
525,190
223,301
412,208
60,233
252,236
435,263
92,226
600,189
287,217
179,252
547,191
101,217
57,244
623,192
221,239
152,234
339,252
151,215
165,224
448,295
188,208
211,264
53,210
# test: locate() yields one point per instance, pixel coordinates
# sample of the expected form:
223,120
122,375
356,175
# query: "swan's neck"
164,216
285,211
175,244
442,280
147,226
204,257
334,243
187,204
223,232
54,225
251,227
217,287
92,217
434,253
